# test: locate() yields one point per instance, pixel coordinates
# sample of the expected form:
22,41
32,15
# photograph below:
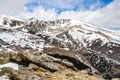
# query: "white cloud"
95,5
106,16
80,15
17,8
12,7
40,13
69,4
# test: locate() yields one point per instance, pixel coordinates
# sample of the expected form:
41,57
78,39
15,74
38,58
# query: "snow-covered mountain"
76,32
16,34
10,22
72,31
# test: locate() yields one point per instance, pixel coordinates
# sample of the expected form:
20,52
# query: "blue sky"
101,13
75,5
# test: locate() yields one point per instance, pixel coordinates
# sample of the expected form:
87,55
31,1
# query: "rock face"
109,68
10,22
34,65
57,50
110,49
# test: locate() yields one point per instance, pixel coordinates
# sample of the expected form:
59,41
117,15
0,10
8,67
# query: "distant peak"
10,17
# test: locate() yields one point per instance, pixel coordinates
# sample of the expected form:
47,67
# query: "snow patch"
22,39
11,65
4,77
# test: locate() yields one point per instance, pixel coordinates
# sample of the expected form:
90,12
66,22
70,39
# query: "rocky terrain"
57,50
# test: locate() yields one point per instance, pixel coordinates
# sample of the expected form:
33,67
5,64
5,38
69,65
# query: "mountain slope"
84,35
97,48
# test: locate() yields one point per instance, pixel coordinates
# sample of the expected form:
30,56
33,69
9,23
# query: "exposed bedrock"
108,67
35,65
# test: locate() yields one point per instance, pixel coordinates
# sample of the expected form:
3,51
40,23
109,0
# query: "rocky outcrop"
4,58
109,48
11,22
34,65
34,25
109,68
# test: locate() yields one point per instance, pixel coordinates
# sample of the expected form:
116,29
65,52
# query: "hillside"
62,49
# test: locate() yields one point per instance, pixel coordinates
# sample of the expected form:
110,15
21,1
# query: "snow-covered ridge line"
64,25
112,35
10,17
10,22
